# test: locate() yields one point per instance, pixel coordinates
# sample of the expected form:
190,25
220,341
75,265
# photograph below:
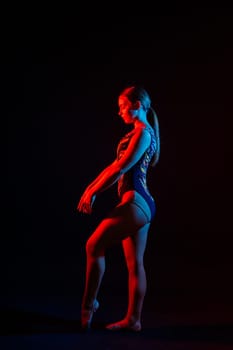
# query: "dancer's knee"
135,266
93,249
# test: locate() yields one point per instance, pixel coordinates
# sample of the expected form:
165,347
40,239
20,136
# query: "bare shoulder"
142,132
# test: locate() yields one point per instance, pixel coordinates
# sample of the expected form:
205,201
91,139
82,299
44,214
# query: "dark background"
62,74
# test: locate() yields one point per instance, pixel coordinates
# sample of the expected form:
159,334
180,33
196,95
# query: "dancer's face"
126,111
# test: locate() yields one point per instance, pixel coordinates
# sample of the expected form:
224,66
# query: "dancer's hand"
86,202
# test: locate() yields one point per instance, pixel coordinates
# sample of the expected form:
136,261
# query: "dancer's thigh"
134,246
123,221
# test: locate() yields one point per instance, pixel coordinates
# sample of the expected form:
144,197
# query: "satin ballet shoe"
124,326
87,314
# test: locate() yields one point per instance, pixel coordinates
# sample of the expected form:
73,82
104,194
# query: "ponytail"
153,120
138,93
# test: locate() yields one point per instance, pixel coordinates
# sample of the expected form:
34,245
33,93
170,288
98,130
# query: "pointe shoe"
87,314
124,326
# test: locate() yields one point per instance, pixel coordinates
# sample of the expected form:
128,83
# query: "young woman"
130,220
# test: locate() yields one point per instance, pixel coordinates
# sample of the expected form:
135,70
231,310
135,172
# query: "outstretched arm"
99,177
104,180
137,146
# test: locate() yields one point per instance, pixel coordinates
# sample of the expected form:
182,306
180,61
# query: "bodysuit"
135,178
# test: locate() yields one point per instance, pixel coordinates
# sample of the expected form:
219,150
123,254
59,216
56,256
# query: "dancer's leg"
124,219
134,248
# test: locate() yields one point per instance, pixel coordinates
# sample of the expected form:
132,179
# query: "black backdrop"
61,80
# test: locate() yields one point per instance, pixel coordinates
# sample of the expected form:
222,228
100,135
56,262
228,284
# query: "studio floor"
53,325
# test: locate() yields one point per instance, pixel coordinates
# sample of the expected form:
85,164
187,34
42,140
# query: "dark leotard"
135,178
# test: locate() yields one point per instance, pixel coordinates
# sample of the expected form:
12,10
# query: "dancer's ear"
136,105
